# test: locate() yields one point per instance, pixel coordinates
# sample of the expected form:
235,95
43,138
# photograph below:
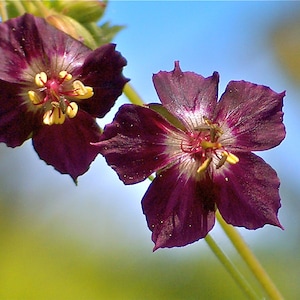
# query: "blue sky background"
233,38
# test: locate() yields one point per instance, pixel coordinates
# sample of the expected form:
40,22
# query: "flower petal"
30,44
134,143
179,211
16,123
254,115
249,193
103,71
68,147
187,95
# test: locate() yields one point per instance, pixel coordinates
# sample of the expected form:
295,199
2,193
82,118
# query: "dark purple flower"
201,151
53,89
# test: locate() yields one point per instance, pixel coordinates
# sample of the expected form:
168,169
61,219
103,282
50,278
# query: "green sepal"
160,109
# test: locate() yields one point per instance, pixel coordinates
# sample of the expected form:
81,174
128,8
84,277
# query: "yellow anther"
232,159
207,145
82,91
65,75
204,165
72,110
40,79
34,97
229,157
54,116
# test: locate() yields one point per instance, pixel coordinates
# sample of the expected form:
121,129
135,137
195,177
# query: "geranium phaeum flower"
201,151
53,88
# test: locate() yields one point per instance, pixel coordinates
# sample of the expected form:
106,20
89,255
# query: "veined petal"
30,45
187,95
16,123
249,193
251,115
68,148
134,143
103,71
179,211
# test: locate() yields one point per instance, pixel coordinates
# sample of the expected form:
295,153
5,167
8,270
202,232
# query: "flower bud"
83,11
72,28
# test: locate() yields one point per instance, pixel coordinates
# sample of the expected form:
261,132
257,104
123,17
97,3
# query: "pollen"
227,157
72,110
203,167
34,97
40,79
81,91
65,75
54,116
232,159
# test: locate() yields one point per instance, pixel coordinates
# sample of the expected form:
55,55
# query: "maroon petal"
16,123
254,115
30,43
187,95
249,193
179,211
134,143
67,147
103,71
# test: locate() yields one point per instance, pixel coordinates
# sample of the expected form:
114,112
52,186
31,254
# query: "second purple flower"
200,149
53,89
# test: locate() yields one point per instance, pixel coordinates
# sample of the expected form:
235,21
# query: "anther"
203,167
40,79
54,116
34,98
210,145
65,75
82,91
72,110
229,157
232,159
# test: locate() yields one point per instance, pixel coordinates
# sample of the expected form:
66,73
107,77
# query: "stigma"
57,96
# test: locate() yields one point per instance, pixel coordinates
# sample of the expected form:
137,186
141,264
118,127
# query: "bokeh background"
61,241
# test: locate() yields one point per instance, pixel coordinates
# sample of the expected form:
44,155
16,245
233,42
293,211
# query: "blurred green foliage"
44,264
286,41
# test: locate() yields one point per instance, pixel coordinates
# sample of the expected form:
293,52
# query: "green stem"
227,263
250,259
3,11
132,95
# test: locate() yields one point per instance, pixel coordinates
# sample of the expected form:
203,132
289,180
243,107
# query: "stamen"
65,75
54,116
232,159
203,167
34,97
72,110
40,79
229,157
82,91
208,144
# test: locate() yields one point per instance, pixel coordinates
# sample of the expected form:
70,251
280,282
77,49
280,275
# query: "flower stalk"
232,270
250,259
132,95
3,11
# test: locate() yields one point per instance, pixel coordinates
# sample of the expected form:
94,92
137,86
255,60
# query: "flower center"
204,146
55,95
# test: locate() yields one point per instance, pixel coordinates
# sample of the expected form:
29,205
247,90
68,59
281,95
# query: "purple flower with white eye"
53,89
200,149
